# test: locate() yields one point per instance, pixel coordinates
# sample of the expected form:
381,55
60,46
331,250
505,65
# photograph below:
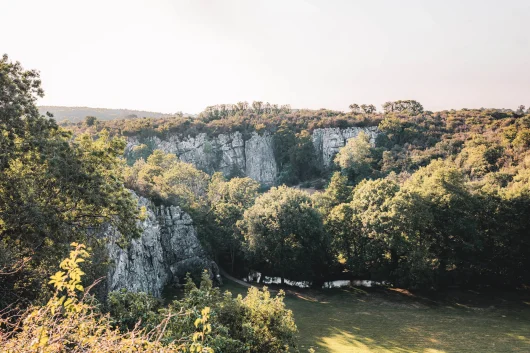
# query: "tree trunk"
232,257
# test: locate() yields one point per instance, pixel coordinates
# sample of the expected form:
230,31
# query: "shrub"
72,322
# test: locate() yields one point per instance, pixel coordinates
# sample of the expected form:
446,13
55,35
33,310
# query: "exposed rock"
232,148
231,154
260,162
166,251
328,141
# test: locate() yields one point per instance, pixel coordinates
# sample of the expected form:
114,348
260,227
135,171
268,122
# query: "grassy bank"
366,321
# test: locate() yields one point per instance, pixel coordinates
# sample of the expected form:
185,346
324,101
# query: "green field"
355,320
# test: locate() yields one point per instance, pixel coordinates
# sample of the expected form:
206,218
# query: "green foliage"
91,120
303,157
256,323
71,322
128,308
53,188
409,106
229,200
355,158
295,155
164,178
433,229
284,234
218,120
338,191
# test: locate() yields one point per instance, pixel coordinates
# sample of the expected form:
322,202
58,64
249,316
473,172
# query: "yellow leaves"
57,278
42,338
69,279
197,322
197,335
200,336
68,302
65,319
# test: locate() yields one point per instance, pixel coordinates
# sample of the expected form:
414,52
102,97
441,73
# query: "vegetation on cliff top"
441,199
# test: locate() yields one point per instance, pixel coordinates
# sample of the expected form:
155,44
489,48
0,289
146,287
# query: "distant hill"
75,114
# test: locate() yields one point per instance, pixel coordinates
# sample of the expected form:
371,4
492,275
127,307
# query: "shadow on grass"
365,320
386,321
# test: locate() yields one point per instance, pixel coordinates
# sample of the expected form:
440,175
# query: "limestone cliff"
329,141
254,157
166,251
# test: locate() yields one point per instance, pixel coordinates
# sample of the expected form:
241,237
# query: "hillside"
298,146
76,114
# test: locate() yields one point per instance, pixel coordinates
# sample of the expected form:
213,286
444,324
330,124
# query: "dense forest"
438,199
56,189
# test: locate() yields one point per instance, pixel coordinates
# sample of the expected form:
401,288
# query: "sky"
171,55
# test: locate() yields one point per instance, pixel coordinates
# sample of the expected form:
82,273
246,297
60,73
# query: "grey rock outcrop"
328,141
163,254
260,161
225,152
232,154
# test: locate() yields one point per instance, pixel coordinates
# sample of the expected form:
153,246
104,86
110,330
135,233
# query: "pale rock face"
167,249
329,141
229,153
260,162
232,147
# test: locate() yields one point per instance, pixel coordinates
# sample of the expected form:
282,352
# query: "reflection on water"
256,276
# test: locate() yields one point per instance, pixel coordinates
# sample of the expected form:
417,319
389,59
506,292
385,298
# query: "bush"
72,322
257,323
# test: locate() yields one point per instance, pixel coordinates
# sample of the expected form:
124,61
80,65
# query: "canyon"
232,154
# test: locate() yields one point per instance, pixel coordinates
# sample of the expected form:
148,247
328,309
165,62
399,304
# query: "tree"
338,191
355,157
257,106
284,142
229,200
452,232
165,178
54,189
241,107
302,156
355,109
411,107
368,108
347,240
371,202
90,120
19,116
284,234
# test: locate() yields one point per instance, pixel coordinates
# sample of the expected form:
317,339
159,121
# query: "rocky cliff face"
260,163
254,157
166,251
329,141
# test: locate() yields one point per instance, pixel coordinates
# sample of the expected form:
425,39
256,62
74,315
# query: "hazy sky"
170,56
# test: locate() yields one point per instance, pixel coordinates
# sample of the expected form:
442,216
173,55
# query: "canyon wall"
329,141
254,157
167,249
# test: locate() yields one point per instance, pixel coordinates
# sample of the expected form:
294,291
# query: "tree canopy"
54,188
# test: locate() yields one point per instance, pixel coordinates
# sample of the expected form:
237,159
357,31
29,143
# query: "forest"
437,200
